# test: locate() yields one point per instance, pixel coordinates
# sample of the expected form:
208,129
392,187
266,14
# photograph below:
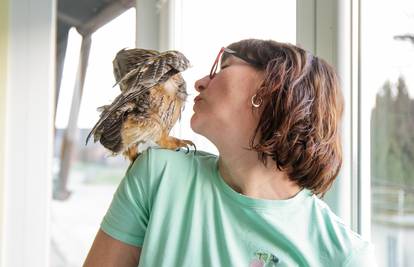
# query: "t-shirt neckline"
247,201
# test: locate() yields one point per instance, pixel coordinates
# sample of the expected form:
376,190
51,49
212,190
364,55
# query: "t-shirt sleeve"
127,217
362,257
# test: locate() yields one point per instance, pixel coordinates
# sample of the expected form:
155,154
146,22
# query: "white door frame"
29,132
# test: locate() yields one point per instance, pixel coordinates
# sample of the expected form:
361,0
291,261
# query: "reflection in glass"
386,71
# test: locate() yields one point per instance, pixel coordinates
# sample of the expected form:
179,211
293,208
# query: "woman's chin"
195,123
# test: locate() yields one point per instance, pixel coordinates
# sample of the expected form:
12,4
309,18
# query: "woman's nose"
202,83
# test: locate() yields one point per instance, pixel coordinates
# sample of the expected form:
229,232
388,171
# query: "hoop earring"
254,104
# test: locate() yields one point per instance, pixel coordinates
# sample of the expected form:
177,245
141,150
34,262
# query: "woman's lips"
197,98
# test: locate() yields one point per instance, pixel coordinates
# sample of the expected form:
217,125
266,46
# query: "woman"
273,110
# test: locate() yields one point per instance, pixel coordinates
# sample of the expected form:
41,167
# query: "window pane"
387,70
93,173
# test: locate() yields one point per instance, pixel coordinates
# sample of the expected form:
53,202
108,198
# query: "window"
94,174
387,67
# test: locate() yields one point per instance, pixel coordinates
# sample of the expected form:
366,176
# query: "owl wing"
120,101
111,137
155,69
127,60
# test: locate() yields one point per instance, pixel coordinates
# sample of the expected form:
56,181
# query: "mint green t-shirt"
178,208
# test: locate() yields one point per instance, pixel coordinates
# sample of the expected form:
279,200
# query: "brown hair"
299,127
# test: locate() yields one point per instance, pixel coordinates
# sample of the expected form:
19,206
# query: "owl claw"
195,148
187,144
175,143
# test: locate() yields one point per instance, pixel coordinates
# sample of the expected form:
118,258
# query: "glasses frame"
213,70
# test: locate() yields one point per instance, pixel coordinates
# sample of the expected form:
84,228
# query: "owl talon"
188,143
170,142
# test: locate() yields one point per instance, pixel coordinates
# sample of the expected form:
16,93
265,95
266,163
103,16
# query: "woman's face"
223,107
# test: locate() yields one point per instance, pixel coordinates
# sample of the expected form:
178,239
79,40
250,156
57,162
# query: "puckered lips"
197,98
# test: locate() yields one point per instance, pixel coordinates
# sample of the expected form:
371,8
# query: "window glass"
387,68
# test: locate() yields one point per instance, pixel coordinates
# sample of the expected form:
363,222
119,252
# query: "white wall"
4,37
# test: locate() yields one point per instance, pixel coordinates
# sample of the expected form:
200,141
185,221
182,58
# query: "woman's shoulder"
178,155
156,161
336,235
169,175
180,158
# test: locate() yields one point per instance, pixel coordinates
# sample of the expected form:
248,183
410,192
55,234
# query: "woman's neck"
246,174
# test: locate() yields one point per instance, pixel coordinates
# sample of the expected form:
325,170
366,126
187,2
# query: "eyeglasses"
213,70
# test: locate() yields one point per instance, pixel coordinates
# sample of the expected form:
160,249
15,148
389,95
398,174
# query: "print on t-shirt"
264,259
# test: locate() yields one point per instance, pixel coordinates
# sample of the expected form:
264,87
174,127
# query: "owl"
153,94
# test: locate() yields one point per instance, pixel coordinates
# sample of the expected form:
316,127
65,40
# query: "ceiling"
86,16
